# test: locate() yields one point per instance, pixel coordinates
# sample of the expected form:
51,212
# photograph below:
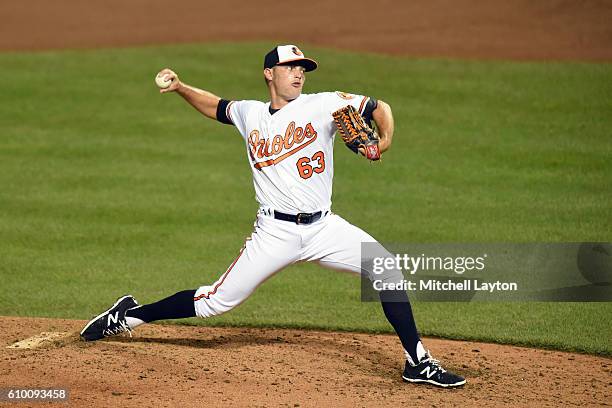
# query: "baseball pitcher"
289,145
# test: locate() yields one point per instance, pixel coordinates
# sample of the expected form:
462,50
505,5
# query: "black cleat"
111,322
430,371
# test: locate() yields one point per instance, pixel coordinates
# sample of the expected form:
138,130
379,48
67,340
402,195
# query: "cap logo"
297,51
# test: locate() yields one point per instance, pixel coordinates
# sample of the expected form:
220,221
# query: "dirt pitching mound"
500,29
169,366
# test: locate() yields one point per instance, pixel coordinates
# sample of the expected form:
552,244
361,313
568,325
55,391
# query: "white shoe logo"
114,318
428,372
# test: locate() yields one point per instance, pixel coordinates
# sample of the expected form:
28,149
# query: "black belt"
301,218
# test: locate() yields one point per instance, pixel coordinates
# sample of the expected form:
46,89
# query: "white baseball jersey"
291,151
291,157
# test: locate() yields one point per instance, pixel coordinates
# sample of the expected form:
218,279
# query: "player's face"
288,80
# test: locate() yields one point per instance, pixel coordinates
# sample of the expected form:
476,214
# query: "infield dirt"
170,366
514,29
194,366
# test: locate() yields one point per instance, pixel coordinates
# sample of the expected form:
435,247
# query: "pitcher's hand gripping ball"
162,81
356,133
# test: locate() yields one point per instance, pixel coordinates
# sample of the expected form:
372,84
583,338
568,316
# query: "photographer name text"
445,286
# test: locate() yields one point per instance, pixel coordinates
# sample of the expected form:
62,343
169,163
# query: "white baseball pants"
331,241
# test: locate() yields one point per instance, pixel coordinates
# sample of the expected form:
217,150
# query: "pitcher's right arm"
205,102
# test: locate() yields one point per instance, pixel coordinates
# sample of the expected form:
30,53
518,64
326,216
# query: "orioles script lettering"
294,139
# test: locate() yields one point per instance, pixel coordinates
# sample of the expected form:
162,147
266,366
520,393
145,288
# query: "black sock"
178,306
397,308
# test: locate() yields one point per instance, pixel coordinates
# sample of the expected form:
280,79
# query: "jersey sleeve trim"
368,110
223,112
228,111
363,104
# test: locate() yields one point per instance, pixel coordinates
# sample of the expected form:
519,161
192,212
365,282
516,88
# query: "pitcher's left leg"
338,246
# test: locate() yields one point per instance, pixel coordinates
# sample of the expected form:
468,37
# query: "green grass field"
110,188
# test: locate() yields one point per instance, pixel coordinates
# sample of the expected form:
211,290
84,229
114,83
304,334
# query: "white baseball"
162,82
